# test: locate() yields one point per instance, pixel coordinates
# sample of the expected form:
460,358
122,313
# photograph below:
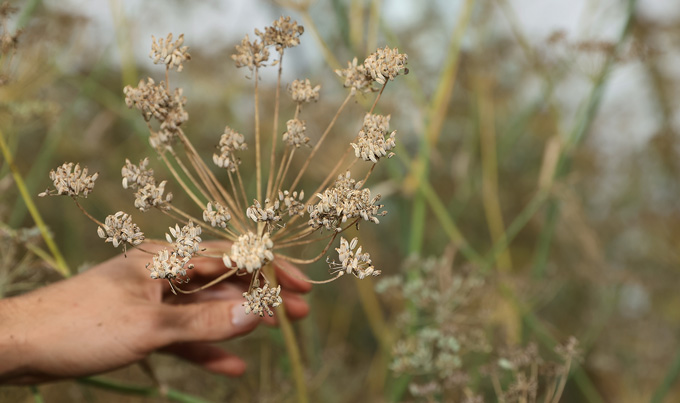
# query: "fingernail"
239,317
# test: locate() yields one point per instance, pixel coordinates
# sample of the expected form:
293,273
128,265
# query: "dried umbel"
216,214
251,54
302,91
372,143
346,201
151,196
283,33
250,252
230,142
280,217
260,300
385,64
169,53
356,77
166,107
168,265
353,262
70,180
119,229
135,176
295,135
186,240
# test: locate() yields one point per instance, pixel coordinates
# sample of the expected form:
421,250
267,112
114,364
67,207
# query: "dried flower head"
283,33
268,214
261,300
342,202
152,196
71,181
385,64
217,217
569,350
292,202
302,91
157,102
251,54
169,53
356,77
187,240
372,143
250,252
152,100
353,262
119,229
230,142
135,176
167,265
295,133
274,212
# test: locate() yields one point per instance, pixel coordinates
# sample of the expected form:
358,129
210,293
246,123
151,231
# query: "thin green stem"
291,343
124,388
669,380
35,214
37,396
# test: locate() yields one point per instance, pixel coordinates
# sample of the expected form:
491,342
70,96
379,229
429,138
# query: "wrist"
14,359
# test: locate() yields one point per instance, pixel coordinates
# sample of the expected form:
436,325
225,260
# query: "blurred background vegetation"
534,195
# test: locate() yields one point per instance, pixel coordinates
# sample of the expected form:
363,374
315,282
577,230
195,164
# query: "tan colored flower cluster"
217,217
250,252
268,214
385,64
274,212
152,196
356,77
71,181
167,265
251,54
372,143
295,134
152,100
156,101
135,176
187,240
342,202
353,262
261,300
119,229
283,33
230,142
302,91
169,53
293,202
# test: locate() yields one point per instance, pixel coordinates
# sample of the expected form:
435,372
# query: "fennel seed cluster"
279,215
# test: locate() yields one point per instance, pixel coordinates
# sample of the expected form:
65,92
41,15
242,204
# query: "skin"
114,315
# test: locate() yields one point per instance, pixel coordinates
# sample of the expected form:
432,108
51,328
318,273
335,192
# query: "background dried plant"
561,144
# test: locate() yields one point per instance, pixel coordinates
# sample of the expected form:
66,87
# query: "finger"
212,358
221,291
207,321
290,277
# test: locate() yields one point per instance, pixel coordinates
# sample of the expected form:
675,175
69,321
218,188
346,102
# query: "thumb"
209,321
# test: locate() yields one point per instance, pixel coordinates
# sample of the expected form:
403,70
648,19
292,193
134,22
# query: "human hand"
114,315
